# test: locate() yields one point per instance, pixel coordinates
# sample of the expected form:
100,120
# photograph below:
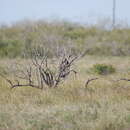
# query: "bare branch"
9,81
89,80
122,79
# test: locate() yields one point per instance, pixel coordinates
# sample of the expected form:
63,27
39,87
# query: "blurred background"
99,26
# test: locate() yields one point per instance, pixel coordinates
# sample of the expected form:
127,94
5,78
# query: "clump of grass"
103,69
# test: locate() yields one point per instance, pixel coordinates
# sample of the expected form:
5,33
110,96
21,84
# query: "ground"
104,105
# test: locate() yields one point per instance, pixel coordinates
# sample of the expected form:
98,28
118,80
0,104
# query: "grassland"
104,105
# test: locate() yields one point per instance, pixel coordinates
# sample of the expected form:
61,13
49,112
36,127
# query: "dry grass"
105,105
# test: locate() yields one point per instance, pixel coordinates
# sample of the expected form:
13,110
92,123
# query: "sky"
83,11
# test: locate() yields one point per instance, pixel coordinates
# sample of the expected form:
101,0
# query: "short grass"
104,105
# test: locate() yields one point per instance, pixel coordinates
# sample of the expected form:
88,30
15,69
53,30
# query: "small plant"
103,69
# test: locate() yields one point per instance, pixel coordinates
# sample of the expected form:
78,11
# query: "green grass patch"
103,69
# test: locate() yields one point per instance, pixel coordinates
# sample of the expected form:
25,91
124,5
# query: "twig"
123,79
89,80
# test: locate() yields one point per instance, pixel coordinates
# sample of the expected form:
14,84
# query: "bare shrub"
40,72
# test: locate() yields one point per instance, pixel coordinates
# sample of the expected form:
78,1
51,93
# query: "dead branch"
64,68
89,80
122,79
17,83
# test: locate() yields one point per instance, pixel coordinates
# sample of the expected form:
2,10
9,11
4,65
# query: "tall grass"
104,105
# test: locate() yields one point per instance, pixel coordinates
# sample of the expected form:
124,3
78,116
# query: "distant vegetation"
17,39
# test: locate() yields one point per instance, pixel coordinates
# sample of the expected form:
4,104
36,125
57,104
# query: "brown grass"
105,105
